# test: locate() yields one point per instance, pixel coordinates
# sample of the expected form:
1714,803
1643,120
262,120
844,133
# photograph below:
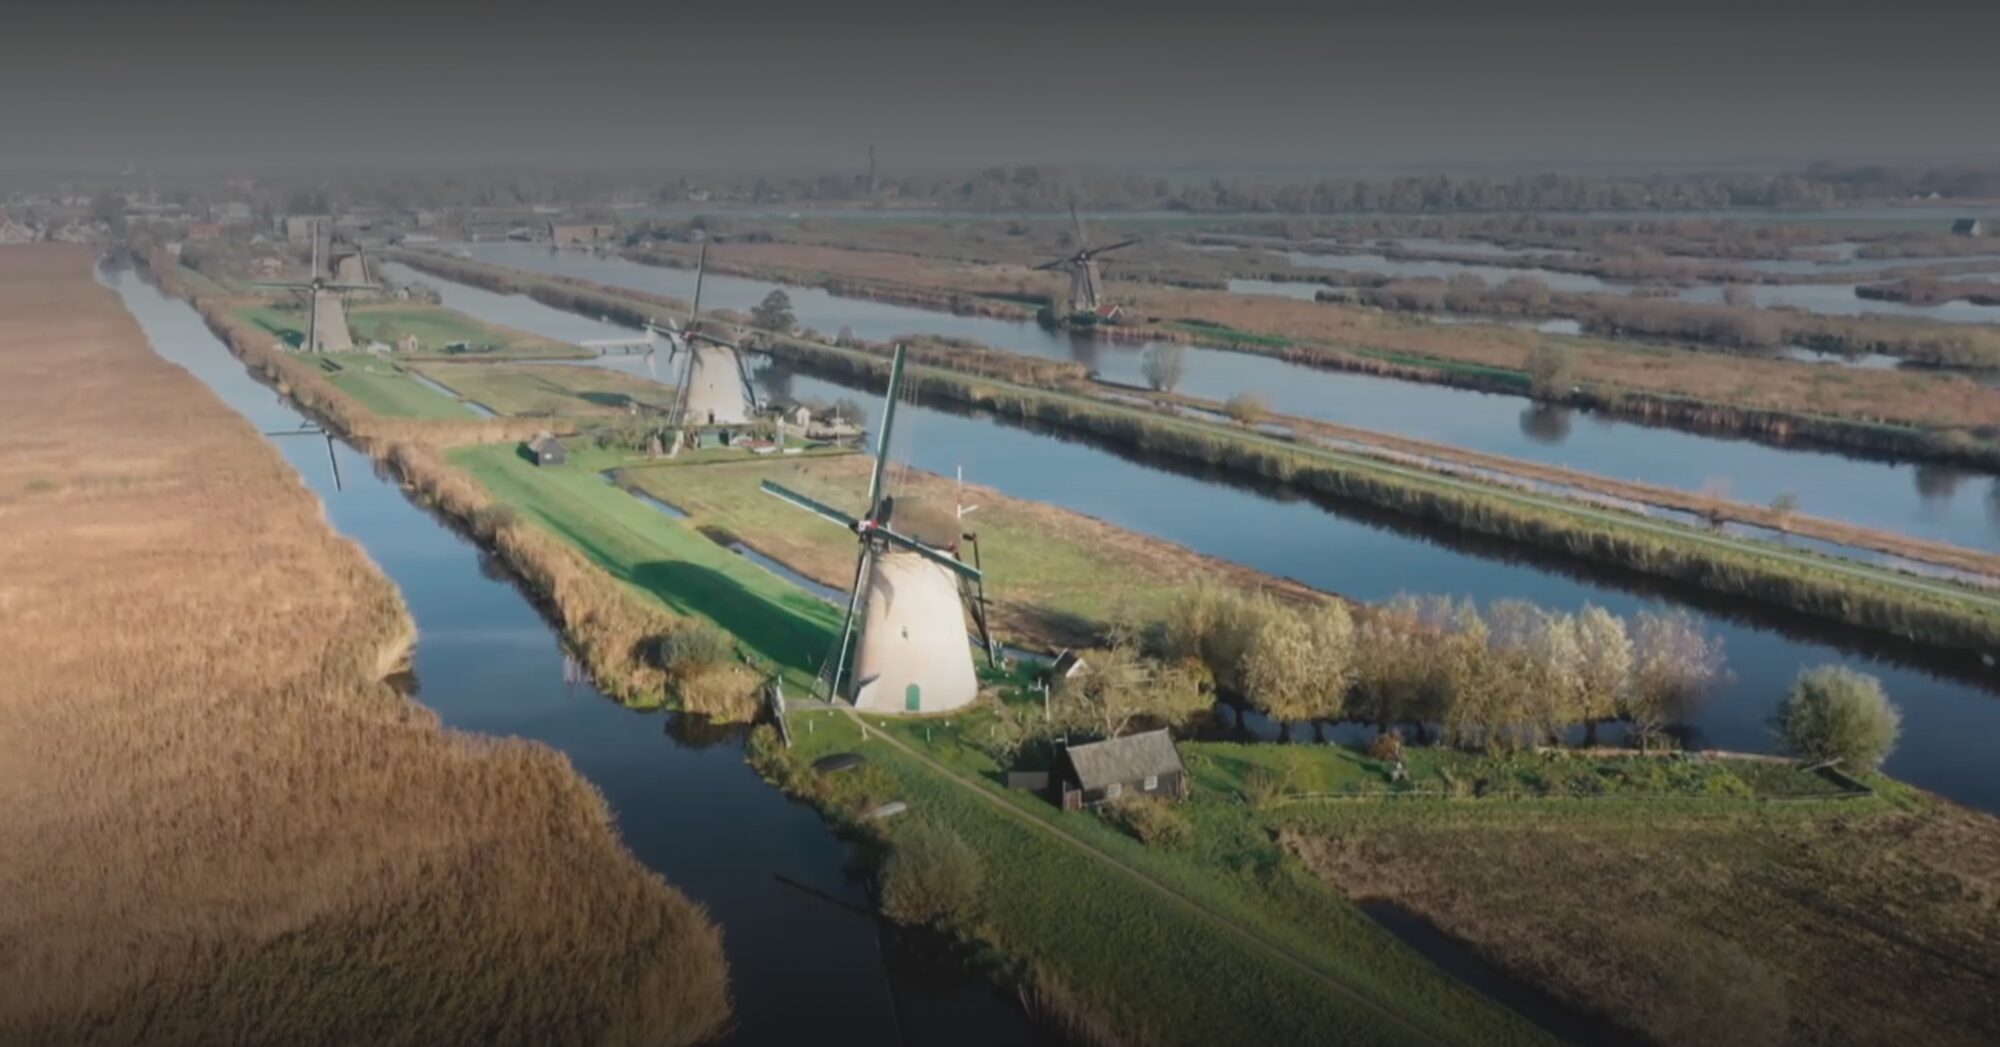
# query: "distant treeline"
1050,188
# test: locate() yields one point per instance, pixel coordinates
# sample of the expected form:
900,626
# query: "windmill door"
912,699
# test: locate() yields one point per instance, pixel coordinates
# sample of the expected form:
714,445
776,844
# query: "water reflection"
1545,423
1936,483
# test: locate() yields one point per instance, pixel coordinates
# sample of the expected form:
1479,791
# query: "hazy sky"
282,85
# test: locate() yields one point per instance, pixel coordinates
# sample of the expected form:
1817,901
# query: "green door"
912,699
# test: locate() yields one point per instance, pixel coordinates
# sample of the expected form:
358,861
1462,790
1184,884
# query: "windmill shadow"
793,632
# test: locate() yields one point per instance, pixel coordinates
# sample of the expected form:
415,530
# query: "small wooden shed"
1146,763
547,450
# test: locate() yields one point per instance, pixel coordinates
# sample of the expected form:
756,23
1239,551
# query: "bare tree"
1163,364
1606,667
1674,667
1298,664
1551,371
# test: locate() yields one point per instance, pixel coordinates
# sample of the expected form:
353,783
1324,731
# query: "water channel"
1925,501
801,969
1949,712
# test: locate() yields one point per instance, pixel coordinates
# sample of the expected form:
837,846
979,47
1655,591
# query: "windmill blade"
1082,241
956,566
335,463
276,286
811,505
650,367
700,270
749,389
350,287
312,320
839,664
1120,244
315,252
888,422
1059,263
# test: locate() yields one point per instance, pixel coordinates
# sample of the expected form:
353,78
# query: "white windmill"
910,597
714,385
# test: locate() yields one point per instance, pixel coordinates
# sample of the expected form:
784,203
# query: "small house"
1968,227
410,344
547,450
1147,763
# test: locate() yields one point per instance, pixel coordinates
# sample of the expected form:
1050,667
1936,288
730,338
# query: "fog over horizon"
215,85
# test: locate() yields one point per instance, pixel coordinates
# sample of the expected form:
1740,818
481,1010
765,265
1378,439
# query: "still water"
1934,502
1949,717
801,970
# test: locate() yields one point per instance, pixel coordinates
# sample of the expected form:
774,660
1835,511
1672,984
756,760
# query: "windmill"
910,596
714,385
316,286
1086,287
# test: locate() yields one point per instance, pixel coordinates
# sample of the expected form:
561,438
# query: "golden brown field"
221,825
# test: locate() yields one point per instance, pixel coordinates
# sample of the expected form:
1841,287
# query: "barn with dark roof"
1145,764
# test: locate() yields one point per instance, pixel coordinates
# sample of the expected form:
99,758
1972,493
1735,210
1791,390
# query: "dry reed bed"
222,825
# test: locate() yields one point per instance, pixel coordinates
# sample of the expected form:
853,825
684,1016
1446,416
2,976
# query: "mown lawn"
663,558
550,389
388,391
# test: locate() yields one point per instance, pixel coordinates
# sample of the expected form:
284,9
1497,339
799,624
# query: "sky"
1253,84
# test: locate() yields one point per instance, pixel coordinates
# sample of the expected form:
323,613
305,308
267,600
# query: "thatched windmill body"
326,325
1086,284
906,612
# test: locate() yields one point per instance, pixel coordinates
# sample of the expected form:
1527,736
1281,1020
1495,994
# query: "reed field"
222,824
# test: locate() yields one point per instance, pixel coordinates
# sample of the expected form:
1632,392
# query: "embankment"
223,824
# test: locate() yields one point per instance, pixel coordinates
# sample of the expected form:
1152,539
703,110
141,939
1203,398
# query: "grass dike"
223,824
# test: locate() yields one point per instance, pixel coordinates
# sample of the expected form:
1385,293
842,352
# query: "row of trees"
1511,675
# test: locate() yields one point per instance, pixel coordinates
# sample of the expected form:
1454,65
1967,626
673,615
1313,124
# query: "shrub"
1246,408
1264,786
1149,821
931,878
489,520
694,646
1837,715
1551,371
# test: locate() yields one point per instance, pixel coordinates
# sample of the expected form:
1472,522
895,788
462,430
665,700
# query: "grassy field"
1852,922
550,389
1277,958
386,388
1056,576
667,560
434,326
222,824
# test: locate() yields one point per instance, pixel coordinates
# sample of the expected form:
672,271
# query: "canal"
1949,711
1935,502
801,969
